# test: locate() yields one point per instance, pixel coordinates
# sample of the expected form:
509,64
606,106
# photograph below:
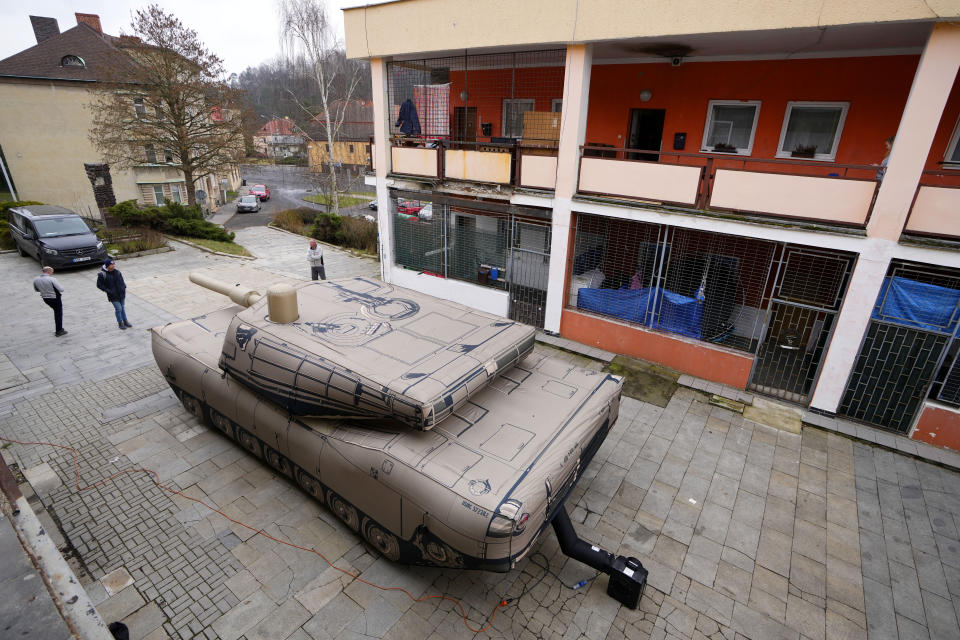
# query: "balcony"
718,182
936,206
491,119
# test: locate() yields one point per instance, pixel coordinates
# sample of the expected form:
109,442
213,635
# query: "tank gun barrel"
238,294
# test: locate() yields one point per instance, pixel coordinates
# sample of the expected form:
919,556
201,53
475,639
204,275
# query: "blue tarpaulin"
678,314
917,304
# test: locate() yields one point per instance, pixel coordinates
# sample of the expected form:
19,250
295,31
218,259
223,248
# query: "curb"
69,597
216,253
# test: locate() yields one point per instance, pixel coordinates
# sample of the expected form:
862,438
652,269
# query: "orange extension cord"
156,479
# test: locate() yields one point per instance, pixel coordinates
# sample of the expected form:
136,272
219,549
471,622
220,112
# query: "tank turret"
358,347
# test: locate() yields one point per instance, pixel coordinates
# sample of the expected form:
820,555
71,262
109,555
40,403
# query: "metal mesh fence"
499,250
910,350
478,98
697,284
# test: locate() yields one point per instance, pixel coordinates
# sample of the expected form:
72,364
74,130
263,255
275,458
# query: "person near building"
110,281
51,290
315,258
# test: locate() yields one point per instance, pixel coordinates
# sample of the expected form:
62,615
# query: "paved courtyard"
747,531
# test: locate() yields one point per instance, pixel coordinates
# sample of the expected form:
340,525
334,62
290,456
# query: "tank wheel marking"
381,540
220,421
310,484
436,552
249,442
276,460
343,510
192,405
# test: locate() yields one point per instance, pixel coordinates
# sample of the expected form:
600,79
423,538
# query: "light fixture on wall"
645,95
466,80
464,95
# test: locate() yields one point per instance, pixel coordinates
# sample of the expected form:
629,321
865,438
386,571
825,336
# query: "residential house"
351,139
45,122
702,185
279,138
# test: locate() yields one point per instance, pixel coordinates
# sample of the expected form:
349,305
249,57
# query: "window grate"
697,284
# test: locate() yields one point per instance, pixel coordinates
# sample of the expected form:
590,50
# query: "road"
288,186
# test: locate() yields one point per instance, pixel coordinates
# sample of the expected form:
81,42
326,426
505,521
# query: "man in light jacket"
315,258
50,290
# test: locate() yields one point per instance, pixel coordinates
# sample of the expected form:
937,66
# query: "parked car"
372,205
261,191
426,213
55,236
248,203
408,208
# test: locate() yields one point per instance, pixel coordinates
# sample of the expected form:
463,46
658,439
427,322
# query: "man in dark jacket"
110,281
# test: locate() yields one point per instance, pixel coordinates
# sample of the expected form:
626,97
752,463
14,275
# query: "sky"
243,33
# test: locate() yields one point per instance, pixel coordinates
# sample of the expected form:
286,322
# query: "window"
177,193
168,156
151,153
158,194
812,130
351,148
556,105
72,61
513,111
952,158
730,126
139,107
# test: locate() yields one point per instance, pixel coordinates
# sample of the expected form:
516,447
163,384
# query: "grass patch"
231,194
217,245
345,200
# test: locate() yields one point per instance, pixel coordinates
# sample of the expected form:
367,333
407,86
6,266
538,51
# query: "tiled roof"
278,127
43,60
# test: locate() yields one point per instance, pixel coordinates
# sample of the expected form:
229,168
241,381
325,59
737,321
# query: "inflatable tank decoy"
427,427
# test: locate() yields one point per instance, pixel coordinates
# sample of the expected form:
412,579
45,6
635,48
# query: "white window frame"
556,105
139,107
158,201
951,147
705,148
148,150
503,119
825,157
177,193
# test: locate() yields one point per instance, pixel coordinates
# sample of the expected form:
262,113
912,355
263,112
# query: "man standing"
315,258
50,291
110,281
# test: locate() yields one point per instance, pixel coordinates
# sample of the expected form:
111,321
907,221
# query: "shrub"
358,233
289,220
15,203
199,229
325,227
172,217
143,240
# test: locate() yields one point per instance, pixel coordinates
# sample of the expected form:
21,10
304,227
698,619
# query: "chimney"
44,28
90,19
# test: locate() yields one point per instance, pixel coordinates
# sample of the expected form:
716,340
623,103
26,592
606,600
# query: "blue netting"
917,304
678,314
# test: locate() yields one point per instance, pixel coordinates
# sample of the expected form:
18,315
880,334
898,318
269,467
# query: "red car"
408,208
261,191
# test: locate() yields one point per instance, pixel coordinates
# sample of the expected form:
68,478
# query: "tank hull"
418,497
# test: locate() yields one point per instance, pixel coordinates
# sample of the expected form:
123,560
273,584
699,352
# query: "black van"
55,236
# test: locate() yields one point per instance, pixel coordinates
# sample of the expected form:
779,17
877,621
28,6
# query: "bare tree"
309,40
166,101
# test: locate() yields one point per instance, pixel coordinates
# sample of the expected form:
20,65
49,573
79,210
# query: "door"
807,293
529,272
465,124
646,133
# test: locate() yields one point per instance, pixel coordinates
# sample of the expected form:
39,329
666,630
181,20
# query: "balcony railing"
526,164
803,190
936,205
